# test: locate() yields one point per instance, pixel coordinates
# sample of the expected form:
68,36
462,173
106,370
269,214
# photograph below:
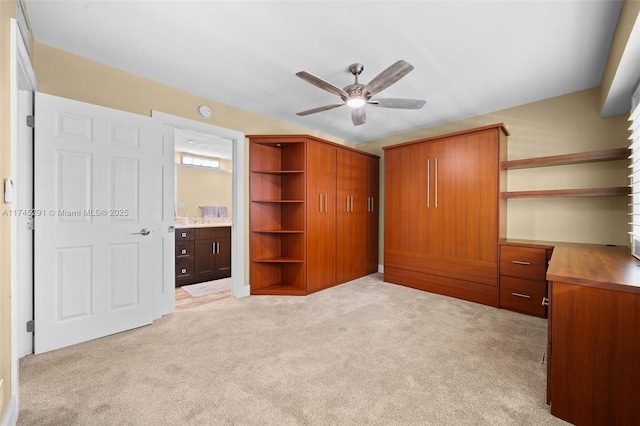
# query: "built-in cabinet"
202,254
313,215
523,282
444,214
594,334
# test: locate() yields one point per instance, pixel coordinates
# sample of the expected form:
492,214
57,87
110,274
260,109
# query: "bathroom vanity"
203,252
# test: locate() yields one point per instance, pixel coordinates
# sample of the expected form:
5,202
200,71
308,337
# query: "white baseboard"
381,268
11,415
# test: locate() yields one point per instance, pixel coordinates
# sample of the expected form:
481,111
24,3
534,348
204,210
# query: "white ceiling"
470,57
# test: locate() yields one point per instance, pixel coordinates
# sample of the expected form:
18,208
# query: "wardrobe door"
465,225
408,200
372,214
321,216
349,207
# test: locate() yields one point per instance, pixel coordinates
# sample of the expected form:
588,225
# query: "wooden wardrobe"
313,215
444,214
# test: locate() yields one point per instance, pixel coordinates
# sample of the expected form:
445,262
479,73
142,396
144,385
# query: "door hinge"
31,326
31,121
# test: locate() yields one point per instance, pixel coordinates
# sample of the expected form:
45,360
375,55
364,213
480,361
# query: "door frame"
237,181
22,77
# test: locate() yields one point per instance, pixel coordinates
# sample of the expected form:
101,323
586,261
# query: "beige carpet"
362,353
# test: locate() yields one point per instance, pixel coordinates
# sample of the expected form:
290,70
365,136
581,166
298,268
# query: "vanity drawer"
523,295
185,234
184,249
213,232
184,269
523,262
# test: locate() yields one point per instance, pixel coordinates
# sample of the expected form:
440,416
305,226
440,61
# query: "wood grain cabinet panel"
443,213
595,379
594,335
312,216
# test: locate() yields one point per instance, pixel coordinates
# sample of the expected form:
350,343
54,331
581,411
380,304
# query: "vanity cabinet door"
212,259
223,259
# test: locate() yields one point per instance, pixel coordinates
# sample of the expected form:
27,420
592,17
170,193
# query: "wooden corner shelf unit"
278,215
313,215
558,160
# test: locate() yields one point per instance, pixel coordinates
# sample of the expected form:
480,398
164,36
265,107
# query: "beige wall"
7,11
560,125
197,187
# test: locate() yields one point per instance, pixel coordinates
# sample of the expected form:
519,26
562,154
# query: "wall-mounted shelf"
558,160
577,192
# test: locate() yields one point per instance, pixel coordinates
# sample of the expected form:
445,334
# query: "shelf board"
578,192
277,231
279,259
558,160
277,172
277,201
279,289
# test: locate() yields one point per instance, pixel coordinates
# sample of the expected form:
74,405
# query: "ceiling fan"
356,95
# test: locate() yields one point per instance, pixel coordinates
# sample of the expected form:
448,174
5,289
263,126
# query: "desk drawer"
523,262
523,295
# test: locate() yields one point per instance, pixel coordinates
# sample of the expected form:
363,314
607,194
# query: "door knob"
143,231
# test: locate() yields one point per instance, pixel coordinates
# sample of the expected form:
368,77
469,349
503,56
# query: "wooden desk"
593,375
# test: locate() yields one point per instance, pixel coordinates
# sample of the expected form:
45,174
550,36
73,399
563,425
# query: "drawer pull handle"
184,270
526,296
184,251
519,262
545,301
184,235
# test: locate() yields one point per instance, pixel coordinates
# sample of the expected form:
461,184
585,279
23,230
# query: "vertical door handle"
320,207
347,198
352,204
428,182
326,203
436,183
217,248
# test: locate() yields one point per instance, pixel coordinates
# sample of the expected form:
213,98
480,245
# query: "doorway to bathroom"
206,177
204,217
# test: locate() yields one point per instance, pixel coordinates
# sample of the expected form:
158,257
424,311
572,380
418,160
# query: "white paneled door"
97,225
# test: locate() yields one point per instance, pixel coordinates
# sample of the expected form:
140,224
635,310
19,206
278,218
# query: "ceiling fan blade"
325,85
389,76
358,116
398,103
319,109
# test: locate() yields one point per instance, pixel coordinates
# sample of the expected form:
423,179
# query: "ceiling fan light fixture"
355,102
